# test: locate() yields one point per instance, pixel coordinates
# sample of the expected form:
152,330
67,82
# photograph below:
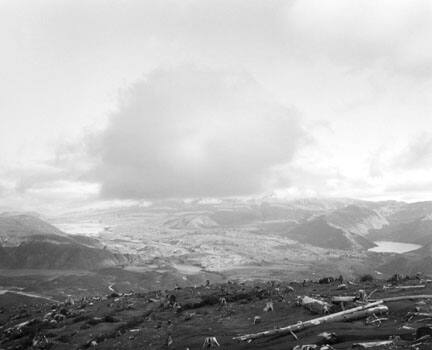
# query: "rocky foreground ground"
185,317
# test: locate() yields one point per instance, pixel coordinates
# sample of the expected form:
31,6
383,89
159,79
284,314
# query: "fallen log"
343,299
358,334
374,345
404,297
418,286
346,315
314,305
421,314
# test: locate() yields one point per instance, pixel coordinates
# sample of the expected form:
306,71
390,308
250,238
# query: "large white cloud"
188,132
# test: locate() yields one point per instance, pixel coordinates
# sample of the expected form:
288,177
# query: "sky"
133,101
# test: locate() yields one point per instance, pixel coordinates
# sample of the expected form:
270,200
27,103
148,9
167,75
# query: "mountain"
191,222
418,231
296,211
319,232
409,212
28,242
356,219
57,256
16,228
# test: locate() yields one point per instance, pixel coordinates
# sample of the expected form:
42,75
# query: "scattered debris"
411,315
95,322
375,320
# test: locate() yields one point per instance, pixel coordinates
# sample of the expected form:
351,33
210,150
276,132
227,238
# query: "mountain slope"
191,222
151,321
16,228
419,260
356,219
58,256
27,242
418,232
320,233
410,212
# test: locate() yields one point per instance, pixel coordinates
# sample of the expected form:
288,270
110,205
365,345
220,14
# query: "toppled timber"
411,315
314,305
420,314
343,299
347,315
358,334
417,286
374,345
405,297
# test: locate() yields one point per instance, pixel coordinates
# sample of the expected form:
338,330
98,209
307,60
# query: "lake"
393,247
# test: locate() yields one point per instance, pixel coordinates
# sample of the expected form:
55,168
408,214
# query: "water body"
393,247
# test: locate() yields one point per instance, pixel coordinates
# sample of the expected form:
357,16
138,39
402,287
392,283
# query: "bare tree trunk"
343,299
419,286
346,315
373,345
406,297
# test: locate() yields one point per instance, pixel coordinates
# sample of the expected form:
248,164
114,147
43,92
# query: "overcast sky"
108,101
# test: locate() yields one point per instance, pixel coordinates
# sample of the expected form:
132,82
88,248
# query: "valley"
176,243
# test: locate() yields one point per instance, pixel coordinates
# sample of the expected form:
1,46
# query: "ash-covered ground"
184,317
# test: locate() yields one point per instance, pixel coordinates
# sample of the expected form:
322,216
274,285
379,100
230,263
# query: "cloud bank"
363,68
188,132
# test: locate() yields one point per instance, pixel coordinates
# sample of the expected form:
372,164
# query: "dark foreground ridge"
213,315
